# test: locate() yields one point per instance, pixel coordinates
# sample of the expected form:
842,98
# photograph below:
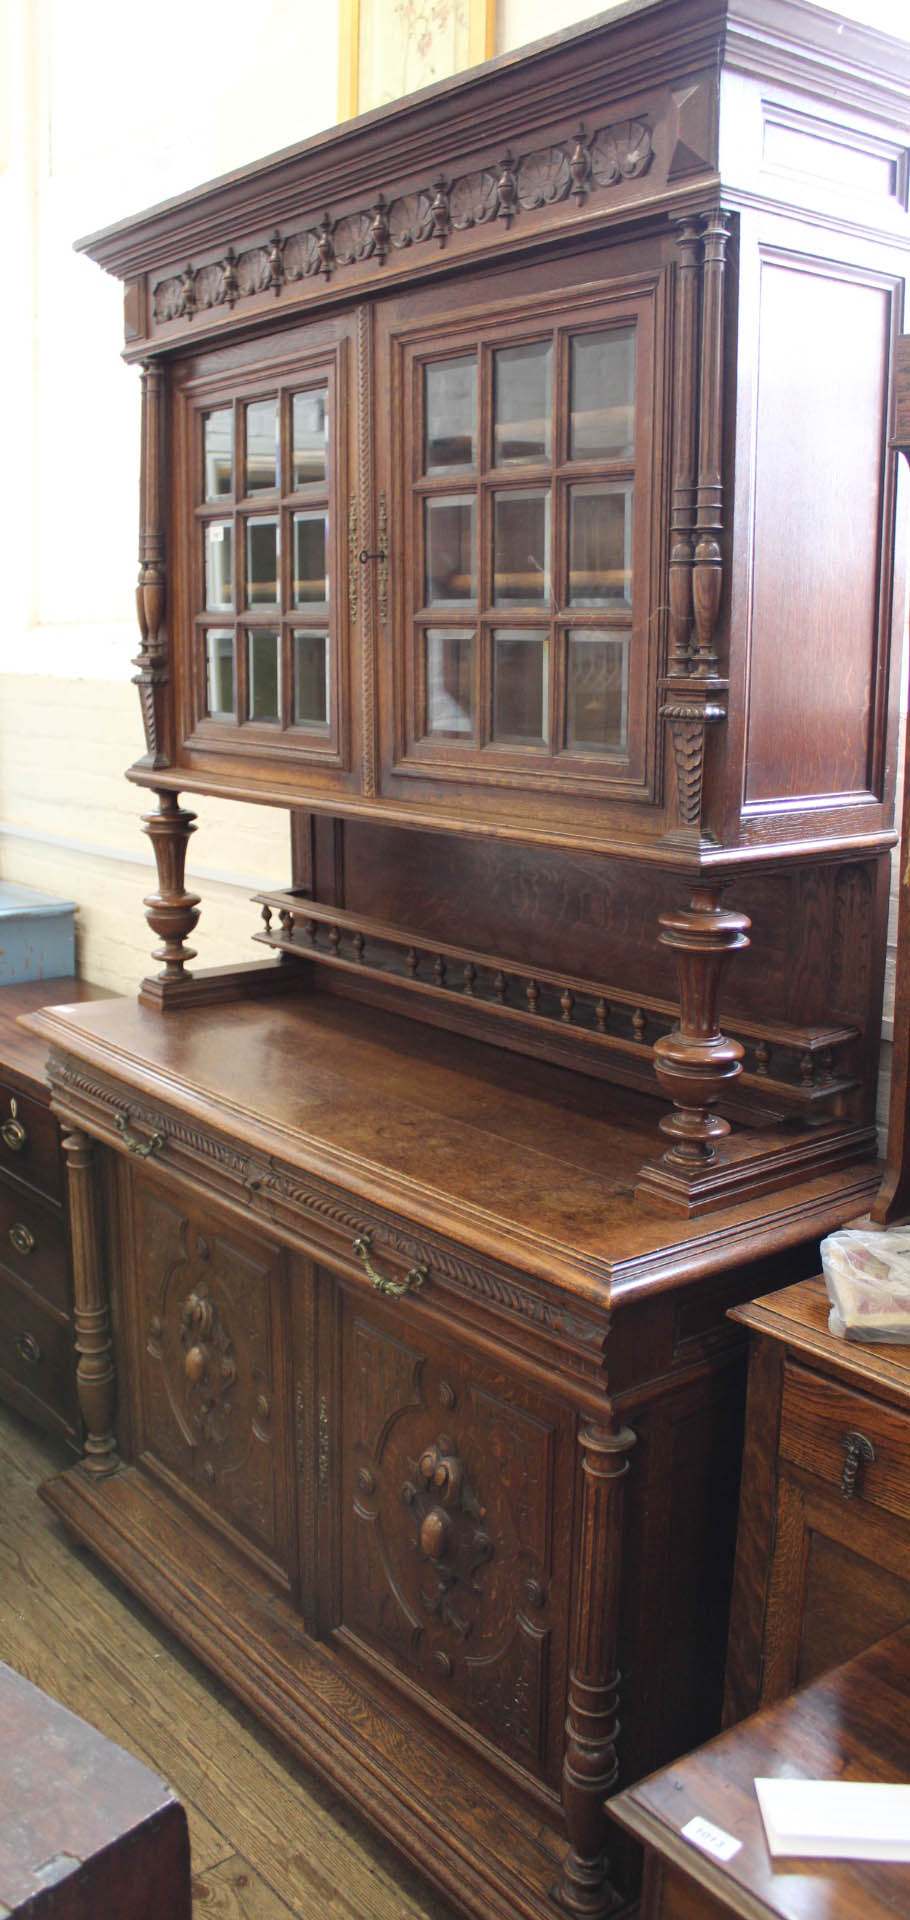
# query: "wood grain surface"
267,1841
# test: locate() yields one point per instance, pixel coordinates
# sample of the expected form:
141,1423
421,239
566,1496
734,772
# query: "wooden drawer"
36,1157
817,1415
37,1358
33,1246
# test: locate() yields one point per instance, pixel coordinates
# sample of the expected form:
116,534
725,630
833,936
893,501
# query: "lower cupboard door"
455,1527
210,1371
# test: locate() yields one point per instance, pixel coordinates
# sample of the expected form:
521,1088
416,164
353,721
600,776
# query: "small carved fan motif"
410,219
353,238
254,272
301,255
473,200
621,152
544,178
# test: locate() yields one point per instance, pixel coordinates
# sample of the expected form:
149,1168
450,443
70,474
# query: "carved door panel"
455,1488
210,1369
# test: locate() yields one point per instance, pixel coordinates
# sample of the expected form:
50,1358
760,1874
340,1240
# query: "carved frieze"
517,184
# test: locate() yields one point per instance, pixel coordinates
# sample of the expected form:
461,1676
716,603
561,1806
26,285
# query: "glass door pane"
219,675
218,434
262,563
522,403
311,679
519,687
597,691
450,680
309,439
451,549
264,677
219,564
450,413
602,395
521,547
311,585
600,546
261,446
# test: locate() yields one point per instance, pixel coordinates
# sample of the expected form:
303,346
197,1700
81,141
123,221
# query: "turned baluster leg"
590,1764
95,1380
696,1062
172,913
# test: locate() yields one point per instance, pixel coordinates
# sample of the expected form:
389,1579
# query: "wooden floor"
268,1840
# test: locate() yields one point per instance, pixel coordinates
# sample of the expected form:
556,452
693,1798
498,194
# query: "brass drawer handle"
27,1348
858,1452
395,1288
13,1132
22,1238
131,1141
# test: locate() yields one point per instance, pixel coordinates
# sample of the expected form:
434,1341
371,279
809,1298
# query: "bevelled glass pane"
262,667
522,402
219,672
219,564
600,546
262,563
309,437
519,687
311,584
602,395
450,413
217,443
311,679
597,691
521,547
450,680
451,549
261,445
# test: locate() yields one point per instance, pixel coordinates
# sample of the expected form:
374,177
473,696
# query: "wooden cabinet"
36,1293
497,523
848,1725
823,1556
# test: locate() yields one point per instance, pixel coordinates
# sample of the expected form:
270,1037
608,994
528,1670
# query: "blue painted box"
37,935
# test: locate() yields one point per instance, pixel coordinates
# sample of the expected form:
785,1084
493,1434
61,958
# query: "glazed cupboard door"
446,1517
265,627
522,477
208,1371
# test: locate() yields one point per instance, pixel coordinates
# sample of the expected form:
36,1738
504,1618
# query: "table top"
852,1724
516,1157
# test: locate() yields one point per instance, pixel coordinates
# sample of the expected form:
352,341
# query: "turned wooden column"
707,579
695,1062
694,691
590,1766
172,912
152,659
685,452
95,1380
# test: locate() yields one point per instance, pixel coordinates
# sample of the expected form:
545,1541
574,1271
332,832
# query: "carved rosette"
517,184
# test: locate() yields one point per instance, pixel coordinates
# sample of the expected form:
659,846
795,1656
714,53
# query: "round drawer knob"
13,1132
28,1349
21,1237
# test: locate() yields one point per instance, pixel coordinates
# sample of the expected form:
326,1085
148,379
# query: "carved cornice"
574,168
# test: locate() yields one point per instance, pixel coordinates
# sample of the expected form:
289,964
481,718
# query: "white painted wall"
97,120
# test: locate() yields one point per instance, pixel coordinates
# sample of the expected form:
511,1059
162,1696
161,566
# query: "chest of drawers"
823,1552
37,1373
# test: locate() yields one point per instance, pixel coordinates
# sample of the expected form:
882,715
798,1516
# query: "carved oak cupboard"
516,513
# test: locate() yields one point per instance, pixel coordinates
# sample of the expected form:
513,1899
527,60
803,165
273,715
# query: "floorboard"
269,1842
